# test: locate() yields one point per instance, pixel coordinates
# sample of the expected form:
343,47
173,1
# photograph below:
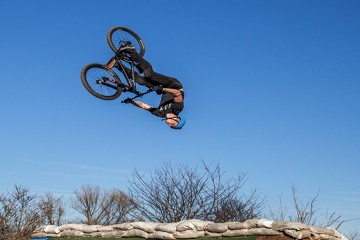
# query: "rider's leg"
150,75
138,78
154,77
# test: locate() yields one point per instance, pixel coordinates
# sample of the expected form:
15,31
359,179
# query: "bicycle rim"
118,35
101,81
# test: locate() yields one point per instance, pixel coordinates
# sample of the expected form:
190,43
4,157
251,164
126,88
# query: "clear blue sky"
272,90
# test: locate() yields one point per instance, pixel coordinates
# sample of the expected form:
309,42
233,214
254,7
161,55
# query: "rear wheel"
100,81
117,36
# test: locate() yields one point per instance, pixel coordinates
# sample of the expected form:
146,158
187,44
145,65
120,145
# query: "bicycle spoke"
120,37
97,81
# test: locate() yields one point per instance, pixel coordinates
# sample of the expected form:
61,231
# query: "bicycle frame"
131,83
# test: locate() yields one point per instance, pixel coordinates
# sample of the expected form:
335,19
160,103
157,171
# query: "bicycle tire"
101,81
118,35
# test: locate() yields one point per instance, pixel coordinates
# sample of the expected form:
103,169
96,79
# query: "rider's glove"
128,100
158,89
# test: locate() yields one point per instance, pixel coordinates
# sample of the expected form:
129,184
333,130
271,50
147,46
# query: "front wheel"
118,36
100,81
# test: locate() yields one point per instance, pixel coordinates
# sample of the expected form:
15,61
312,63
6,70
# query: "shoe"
128,49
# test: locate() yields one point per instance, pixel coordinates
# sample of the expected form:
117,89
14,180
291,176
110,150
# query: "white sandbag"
148,227
302,234
291,233
71,233
264,223
185,225
342,237
51,229
337,234
38,235
161,235
251,232
212,234
296,226
89,228
95,234
166,227
190,229
189,234
321,230
236,233
71,227
123,226
279,225
135,233
192,224
108,228
328,237
217,227
40,229
238,225
200,225
252,223
53,235
113,234
262,232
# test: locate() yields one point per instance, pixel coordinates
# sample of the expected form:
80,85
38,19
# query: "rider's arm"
177,93
141,105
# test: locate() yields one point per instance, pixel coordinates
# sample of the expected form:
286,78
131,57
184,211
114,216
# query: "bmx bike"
102,81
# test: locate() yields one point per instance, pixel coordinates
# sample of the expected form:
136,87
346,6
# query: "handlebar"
138,94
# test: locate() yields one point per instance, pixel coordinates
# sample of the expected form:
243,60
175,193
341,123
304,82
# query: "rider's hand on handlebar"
128,100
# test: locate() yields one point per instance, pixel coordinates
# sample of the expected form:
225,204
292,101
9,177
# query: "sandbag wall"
191,229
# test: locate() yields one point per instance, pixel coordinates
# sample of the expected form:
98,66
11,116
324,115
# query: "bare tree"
52,209
305,212
7,213
173,194
19,214
353,235
239,209
102,207
88,202
118,207
308,212
282,212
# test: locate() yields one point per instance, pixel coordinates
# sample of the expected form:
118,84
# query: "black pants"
151,78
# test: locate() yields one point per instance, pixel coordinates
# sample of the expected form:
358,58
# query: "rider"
172,99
